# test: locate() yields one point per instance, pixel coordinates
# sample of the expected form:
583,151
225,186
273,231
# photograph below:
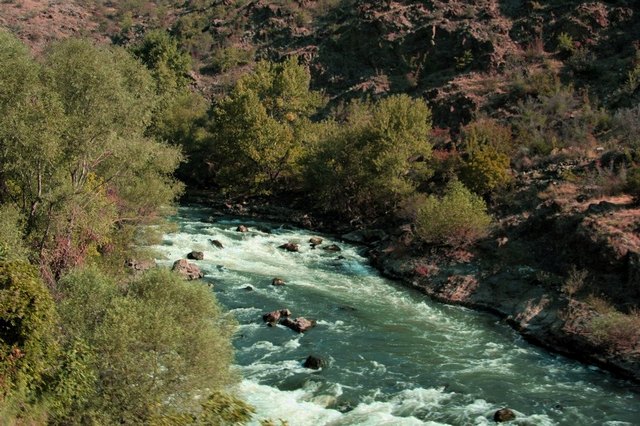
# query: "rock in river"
315,241
216,243
196,255
332,247
314,362
271,317
293,247
242,228
504,415
299,324
277,281
187,270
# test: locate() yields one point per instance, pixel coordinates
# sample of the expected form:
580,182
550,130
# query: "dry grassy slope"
38,22
459,55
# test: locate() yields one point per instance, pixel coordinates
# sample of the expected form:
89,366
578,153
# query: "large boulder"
196,255
292,247
187,270
314,362
299,324
504,415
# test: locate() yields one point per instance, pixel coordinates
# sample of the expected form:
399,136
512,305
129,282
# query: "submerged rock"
216,243
314,362
277,282
196,255
504,415
271,318
242,228
315,241
187,270
292,247
299,324
332,247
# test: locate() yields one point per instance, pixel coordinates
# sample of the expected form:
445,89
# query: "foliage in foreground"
151,348
75,161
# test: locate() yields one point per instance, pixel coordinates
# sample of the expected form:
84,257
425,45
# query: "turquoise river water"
395,357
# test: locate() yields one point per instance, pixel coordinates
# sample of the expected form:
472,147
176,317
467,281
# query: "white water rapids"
395,357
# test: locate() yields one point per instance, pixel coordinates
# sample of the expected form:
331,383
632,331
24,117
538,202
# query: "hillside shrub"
487,146
458,218
616,330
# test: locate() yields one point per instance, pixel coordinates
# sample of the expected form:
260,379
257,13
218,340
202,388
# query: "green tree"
458,218
256,129
161,54
366,165
74,156
159,342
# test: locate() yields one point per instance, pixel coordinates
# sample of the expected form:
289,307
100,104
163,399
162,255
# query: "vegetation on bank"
82,176
94,142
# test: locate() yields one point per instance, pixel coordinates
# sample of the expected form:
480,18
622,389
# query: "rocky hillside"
463,57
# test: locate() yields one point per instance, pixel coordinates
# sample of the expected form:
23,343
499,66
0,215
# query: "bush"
159,343
633,181
458,218
486,170
28,343
565,44
487,145
617,331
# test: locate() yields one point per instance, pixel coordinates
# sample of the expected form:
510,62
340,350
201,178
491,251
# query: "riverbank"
515,274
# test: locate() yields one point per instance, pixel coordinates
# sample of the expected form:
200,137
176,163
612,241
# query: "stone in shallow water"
314,362
216,243
242,228
293,247
299,324
277,282
271,317
315,241
504,415
196,255
332,247
187,270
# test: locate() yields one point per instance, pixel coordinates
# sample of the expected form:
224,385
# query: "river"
395,357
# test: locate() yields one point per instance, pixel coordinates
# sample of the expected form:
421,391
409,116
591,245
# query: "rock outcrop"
188,270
